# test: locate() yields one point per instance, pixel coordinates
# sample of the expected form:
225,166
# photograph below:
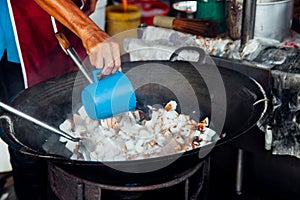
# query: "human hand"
104,54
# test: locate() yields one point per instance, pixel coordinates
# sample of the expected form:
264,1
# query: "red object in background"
291,44
151,9
42,55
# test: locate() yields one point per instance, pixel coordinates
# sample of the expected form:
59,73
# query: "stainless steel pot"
273,18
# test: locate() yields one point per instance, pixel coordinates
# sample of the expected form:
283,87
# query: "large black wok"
51,102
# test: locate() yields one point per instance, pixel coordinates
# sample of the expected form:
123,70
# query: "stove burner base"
187,185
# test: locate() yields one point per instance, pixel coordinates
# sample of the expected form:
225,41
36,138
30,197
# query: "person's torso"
41,56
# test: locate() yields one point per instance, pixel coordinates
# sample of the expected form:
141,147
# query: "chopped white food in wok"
124,137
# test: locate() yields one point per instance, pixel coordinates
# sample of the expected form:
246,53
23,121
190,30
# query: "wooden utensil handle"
163,21
63,41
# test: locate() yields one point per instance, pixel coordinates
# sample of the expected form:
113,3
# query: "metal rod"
248,21
73,54
239,172
66,46
38,122
186,189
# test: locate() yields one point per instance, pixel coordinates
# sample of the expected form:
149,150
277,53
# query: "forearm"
67,13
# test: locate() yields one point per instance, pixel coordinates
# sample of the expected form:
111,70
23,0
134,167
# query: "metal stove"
191,184
284,119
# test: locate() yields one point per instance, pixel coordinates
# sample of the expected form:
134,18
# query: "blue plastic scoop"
108,96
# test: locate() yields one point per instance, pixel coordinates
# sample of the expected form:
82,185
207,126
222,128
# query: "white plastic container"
5,165
99,15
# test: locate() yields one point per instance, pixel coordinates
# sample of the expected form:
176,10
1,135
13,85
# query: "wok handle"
200,51
10,137
63,41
